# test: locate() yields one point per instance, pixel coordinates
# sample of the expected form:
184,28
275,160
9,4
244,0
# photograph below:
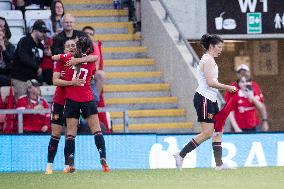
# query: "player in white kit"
205,101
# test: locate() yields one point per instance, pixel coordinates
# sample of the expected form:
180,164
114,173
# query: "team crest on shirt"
210,116
55,116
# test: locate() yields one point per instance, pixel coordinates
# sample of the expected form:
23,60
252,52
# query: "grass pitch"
242,178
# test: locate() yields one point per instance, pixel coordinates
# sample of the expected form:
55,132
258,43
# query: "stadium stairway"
133,81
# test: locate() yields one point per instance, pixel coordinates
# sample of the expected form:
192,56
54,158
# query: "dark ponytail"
84,46
207,40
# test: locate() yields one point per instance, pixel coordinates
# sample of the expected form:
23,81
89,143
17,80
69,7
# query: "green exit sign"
254,23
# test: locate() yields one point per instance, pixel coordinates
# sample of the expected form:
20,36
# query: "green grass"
242,178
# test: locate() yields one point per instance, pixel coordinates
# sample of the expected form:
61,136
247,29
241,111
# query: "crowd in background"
29,65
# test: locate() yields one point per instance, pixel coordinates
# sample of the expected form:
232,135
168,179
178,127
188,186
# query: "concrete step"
122,43
160,131
91,19
137,94
99,13
111,30
123,107
137,90
154,126
150,113
87,6
130,69
128,75
117,37
141,103
150,120
125,55
129,62
140,49
71,2
124,52
118,80
128,26
137,87
148,100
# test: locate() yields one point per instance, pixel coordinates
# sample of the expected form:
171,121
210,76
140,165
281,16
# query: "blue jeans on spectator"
95,91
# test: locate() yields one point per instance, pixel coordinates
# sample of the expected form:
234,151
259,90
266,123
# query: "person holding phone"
245,118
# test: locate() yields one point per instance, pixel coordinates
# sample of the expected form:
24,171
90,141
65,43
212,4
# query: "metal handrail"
20,113
181,37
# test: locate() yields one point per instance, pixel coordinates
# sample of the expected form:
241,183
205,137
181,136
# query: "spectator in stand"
28,57
134,13
21,4
34,123
67,33
250,100
99,76
6,58
54,24
4,26
138,16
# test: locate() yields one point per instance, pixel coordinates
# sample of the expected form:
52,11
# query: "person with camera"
244,117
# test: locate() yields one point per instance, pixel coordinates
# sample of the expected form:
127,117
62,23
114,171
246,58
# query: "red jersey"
59,95
246,114
79,93
34,122
97,53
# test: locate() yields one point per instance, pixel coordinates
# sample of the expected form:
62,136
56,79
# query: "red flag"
221,116
11,124
102,115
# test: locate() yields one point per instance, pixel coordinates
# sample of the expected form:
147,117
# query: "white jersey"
203,88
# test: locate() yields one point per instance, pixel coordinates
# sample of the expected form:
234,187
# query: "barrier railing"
44,111
182,38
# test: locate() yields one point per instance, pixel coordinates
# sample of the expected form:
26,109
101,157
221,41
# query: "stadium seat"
47,92
32,15
5,5
4,92
15,30
15,39
32,7
11,14
16,23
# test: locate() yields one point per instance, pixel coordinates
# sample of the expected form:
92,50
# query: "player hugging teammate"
78,66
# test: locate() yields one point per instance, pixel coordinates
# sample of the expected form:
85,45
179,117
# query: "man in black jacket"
67,33
27,58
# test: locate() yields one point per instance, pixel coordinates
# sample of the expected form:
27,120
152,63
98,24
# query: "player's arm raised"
60,82
56,57
74,61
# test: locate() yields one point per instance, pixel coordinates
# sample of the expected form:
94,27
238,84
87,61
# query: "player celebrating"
57,119
80,99
205,100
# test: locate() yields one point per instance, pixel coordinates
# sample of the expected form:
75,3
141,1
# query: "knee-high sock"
188,148
217,150
100,144
69,150
52,148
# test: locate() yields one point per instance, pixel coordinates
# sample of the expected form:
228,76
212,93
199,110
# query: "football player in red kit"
80,100
57,119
